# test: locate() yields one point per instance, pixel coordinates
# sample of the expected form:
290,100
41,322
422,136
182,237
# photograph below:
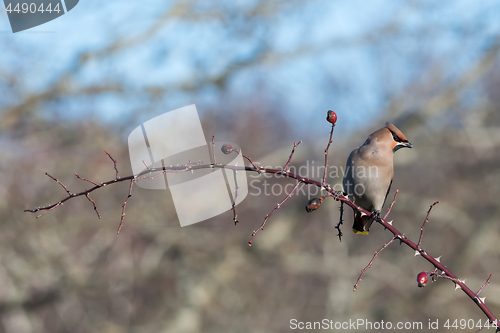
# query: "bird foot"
376,215
339,194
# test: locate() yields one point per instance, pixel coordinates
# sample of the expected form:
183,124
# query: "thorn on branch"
400,237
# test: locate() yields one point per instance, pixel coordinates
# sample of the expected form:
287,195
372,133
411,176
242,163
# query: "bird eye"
395,137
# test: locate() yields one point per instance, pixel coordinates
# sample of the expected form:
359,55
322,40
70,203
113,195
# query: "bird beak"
400,145
406,144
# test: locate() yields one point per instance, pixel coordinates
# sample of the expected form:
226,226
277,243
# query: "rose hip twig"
233,200
114,164
249,160
57,181
295,145
125,206
87,180
331,117
94,204
484,285
214,161
326,156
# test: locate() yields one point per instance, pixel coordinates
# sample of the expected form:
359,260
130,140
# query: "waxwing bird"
369,172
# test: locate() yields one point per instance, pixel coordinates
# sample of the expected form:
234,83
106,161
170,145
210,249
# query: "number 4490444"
32,8
470,324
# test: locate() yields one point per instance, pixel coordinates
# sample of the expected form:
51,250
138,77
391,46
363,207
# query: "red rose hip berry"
313,204
422,279
226,148
331,117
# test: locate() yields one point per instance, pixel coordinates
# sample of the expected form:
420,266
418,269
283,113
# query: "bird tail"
362,223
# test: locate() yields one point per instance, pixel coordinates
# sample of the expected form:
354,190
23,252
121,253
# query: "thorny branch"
440,270
341,221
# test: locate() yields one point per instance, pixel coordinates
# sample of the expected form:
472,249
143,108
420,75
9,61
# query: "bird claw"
376,215
338,194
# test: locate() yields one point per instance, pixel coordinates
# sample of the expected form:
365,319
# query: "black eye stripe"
397,138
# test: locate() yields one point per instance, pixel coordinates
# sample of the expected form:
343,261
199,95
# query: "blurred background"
262,74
